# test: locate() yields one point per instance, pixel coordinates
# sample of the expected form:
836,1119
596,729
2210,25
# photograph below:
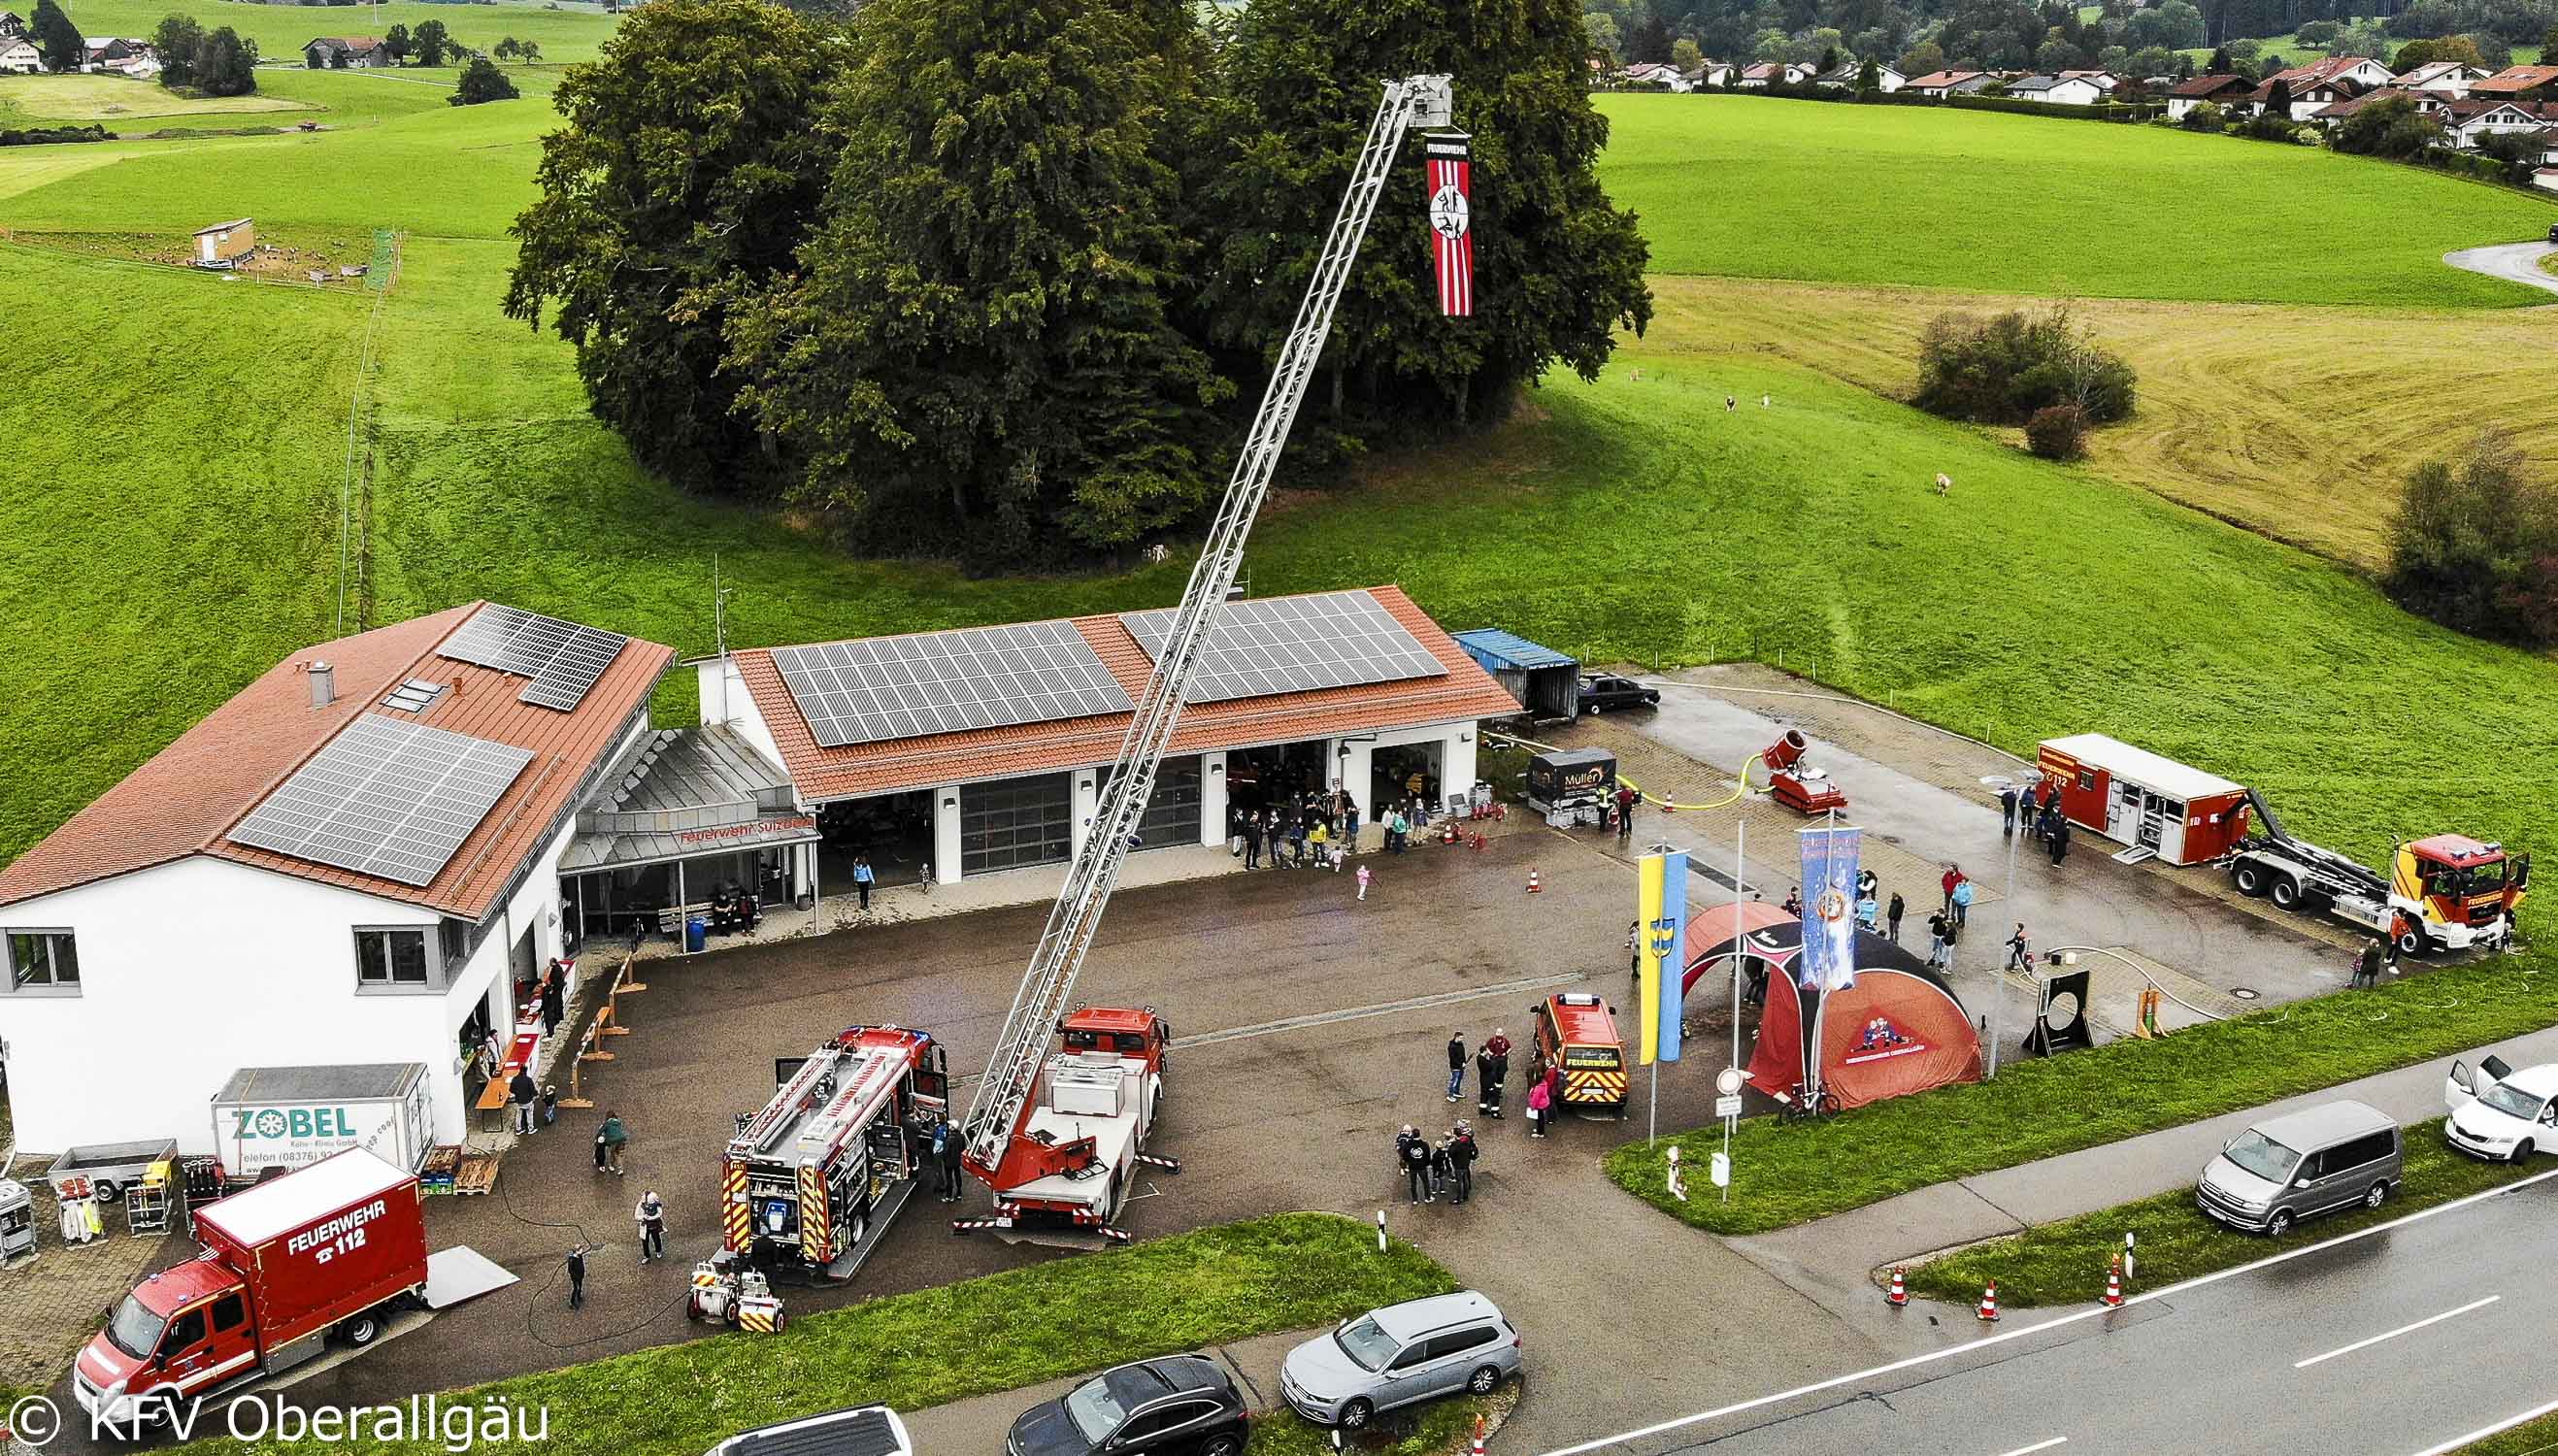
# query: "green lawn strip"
997,1333
1442,1425
1787,1173
2531,1438
2064,1263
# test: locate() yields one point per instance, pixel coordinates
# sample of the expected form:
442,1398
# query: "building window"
391,959
43,960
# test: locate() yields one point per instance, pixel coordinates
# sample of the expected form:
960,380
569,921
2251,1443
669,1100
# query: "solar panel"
1294,645
562,658
889,687
386,798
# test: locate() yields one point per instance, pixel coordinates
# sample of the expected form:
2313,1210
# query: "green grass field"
996,1333
2064,1263
117,100
569,31
1760,188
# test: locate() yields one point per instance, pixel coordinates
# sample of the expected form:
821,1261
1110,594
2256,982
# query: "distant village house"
344,52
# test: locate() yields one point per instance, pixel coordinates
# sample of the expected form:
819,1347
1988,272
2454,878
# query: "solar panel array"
414,695
889,687
562,658
386,798
1294,645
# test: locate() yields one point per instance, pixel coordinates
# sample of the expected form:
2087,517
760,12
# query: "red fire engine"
811,1183
1072,1159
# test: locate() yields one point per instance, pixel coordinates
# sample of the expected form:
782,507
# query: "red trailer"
332,1249
2156,806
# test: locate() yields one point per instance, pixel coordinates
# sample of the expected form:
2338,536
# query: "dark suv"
1601,695
1179,1405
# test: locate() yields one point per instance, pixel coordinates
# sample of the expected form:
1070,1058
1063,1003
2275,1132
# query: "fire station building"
371,851
953,754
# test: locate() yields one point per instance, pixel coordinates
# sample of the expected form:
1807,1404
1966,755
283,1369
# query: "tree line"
1003,281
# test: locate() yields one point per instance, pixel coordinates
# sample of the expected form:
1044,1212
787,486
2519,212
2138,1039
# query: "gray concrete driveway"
2516,262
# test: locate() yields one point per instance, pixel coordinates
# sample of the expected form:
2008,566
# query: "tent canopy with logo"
1899,1029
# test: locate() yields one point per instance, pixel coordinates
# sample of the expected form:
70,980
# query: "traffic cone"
1477,1448
1898,1294
1989,1304
2114,1283
1532,884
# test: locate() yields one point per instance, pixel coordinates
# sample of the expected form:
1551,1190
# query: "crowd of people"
2036,807
1444,1168
1319,829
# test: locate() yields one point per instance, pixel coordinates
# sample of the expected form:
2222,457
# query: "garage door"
1016,821
1173,811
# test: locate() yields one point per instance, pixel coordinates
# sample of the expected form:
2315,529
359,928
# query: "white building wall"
945,834
725,701
190,971
1213,799
1087,803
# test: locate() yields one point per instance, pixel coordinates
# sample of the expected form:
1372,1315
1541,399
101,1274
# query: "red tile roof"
2514,80
189,796
821,774
2210,85
1935,79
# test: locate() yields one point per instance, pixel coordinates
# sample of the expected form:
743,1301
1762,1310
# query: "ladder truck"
2447,892
1057,1137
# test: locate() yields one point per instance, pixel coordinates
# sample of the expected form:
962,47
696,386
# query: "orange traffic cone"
1477,1448
1989,1304
1898,1294
1532,885
2114,1282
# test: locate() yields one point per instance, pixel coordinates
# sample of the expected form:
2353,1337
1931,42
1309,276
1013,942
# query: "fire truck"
1059,1135
1073,1157
2447,892
809,1184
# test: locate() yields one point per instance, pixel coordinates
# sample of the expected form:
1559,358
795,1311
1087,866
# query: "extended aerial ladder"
996,1113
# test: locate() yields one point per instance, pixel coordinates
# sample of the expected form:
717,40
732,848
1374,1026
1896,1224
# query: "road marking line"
1389,1008
2039,1446
2484,1431
2394,1334
2022,1330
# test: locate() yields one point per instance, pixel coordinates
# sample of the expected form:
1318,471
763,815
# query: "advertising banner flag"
1829,907
1648,967
1665,943
1452,240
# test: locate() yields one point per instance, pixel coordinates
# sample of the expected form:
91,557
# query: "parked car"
2499,1113
1419,1350
1599,693
864,1431
2553,232
2300,1165
1177,1405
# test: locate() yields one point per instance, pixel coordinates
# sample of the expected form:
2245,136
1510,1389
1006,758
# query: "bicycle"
1798,1106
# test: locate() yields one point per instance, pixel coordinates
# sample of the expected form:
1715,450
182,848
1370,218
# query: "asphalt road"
2392,1342
2516,262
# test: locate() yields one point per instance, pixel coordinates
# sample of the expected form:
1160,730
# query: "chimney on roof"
324,683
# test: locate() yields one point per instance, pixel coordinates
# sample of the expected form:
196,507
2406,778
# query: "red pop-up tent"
1898,1029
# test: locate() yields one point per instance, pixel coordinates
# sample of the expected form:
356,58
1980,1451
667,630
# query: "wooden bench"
671,920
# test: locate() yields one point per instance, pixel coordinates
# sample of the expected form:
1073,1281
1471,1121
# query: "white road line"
2021,1332
2039,1446
2484,1431
2394,1334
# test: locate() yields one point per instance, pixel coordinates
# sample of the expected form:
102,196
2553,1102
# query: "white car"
2499,1113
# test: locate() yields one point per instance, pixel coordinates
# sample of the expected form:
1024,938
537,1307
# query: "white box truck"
293,1116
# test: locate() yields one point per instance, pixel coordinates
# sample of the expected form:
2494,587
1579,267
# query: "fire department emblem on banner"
1452,238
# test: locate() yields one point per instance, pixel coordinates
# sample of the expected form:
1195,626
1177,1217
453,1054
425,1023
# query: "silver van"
2300,1165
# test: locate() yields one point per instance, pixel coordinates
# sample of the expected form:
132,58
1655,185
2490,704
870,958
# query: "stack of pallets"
436,1175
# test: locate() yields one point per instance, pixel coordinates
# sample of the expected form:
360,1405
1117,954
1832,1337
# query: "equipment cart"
109,1168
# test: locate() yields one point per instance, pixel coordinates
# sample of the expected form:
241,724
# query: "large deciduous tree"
691,164
979,354
1558,269
226,65
431,43
482,80
175,42
56,40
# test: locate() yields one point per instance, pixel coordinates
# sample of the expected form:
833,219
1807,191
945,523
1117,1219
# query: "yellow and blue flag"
1660,946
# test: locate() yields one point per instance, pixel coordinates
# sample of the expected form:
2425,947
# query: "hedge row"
47,135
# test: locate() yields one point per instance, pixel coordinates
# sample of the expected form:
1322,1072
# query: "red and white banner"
1452,237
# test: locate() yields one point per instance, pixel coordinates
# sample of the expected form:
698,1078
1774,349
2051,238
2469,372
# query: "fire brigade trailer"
2156,808
1072,1161
1062,1134
2447,892
809,1185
